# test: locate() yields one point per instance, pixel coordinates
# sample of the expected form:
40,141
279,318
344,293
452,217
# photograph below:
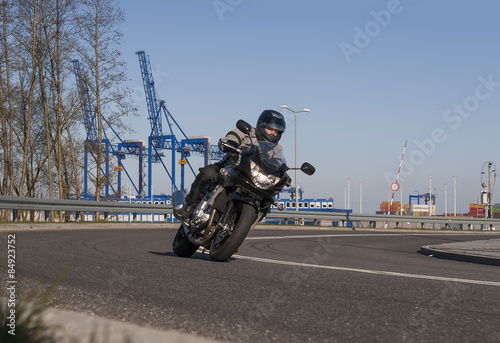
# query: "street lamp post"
296,174
454,195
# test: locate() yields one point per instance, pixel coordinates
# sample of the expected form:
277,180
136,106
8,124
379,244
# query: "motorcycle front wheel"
182,246
228,238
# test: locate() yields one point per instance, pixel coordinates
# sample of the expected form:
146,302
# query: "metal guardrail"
41,204
354,217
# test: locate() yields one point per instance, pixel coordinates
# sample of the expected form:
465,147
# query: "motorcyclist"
270,126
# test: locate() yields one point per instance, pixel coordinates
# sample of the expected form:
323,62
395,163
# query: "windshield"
271,155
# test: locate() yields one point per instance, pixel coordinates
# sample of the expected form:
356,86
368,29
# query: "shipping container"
471,205
476,212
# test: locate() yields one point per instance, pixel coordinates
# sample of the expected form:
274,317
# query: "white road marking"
312,236
368,271
351,235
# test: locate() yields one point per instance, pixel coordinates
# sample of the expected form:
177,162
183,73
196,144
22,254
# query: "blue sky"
373,73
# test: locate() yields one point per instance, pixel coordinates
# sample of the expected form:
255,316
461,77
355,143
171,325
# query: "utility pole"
348,193
360,196
445,200
487,180
430,196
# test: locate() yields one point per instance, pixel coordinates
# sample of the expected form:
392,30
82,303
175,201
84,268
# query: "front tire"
181,245
227,240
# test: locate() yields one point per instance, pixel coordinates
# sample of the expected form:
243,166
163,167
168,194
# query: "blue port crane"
159,140
426,196
121,150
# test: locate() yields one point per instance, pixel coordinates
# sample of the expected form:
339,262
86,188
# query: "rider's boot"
186,211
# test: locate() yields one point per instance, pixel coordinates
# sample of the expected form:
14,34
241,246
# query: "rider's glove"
224,148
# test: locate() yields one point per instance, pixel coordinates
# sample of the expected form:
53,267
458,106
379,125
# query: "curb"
70,327
432,252
483,252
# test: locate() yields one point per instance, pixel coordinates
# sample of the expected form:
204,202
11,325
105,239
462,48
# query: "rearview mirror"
307,168
243,126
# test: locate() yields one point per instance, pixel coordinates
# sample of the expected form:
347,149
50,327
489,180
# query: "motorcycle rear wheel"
227,241
181,245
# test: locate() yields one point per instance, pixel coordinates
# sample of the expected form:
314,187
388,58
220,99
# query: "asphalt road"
308,285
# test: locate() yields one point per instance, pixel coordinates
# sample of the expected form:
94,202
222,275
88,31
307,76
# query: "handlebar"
232,147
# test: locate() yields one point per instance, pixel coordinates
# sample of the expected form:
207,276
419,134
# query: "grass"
29,324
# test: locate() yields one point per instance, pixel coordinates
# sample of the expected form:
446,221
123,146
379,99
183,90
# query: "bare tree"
30,9
99,21
57,38
39,116
61,38
6,105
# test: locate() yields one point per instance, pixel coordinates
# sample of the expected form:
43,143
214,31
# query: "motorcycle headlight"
261,180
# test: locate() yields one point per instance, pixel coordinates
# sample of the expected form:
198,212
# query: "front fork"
227,212
209,229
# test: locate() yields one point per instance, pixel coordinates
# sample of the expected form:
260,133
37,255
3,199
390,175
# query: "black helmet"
272,119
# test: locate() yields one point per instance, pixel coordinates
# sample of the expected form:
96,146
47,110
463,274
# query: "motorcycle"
243,196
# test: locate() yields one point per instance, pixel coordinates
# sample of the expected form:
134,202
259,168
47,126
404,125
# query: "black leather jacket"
243,142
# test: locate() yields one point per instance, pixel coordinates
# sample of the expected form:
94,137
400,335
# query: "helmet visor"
274,125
